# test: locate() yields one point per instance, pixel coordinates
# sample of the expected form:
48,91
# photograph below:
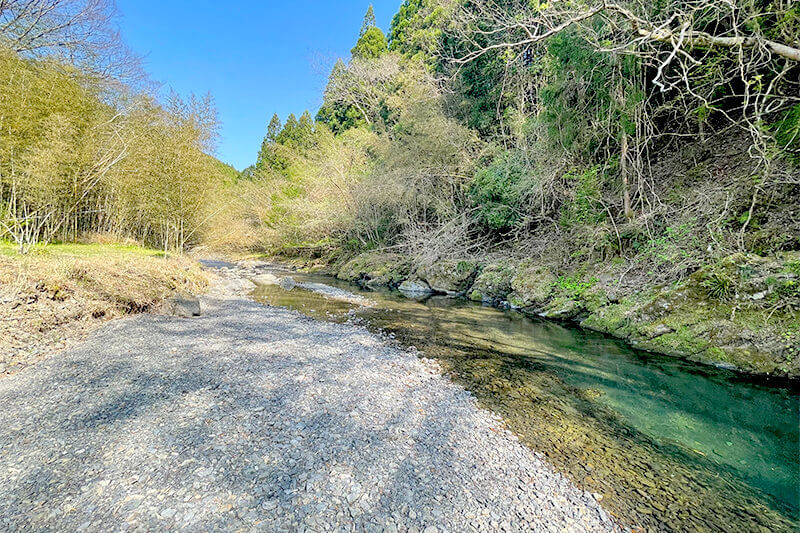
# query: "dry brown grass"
57,294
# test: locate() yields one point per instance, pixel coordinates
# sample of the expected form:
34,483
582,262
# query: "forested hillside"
85,145
631,166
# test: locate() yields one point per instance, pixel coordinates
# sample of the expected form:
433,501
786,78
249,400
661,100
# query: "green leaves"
371,45
496,194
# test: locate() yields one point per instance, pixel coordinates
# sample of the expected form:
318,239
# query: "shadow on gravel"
227,423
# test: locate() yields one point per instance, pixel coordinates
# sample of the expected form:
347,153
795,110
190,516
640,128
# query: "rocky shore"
252,418
740,313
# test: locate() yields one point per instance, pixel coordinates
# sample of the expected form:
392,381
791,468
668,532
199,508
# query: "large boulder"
493,284
449,276
376,269
532,287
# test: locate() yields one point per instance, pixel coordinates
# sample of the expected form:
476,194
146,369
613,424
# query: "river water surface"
669,444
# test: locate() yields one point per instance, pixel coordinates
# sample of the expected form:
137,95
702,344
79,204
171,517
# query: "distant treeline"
547,127
666,131
85,147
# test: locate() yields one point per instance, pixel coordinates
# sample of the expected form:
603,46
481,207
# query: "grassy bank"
58,293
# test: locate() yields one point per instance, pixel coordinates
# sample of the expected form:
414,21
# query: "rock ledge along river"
255,418
668,444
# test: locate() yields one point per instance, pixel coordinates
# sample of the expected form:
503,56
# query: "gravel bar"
253,418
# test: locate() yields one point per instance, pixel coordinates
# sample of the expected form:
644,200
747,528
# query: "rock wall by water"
743,312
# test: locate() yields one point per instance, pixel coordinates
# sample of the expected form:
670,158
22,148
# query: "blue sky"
255,57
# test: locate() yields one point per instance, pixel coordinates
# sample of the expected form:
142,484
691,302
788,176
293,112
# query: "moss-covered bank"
742,312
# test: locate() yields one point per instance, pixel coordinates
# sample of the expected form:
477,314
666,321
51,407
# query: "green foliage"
481,99
404,23
676,245
718,285
789,288
495,192
369,21
338,116
787,134
573,286
586,208
274,129
371,40
371,45
417,30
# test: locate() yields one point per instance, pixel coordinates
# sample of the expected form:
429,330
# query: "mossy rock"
449,276
562,308
415,288
376,269
749,277
493,284
531,287
611,319
734,327
594,298
686,341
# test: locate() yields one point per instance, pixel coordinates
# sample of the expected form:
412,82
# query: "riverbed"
668,444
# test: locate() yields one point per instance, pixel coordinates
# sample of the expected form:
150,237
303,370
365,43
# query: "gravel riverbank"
256,418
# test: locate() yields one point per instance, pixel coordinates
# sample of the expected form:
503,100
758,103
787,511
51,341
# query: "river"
669,444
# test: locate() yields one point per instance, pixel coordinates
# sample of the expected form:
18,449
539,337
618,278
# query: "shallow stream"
669,445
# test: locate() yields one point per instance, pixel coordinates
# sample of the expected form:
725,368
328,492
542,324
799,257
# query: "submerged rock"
288,283
415,288
562,309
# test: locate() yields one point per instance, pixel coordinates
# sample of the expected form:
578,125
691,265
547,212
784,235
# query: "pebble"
257,418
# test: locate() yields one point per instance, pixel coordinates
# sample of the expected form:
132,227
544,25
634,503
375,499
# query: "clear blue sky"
255,57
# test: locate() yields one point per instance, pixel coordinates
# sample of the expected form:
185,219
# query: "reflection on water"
669,443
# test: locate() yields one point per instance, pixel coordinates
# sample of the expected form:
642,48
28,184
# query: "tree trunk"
623,170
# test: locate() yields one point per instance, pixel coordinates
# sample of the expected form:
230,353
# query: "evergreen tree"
417,31
289,131
371,45
369,21
274,128
403,24
371,40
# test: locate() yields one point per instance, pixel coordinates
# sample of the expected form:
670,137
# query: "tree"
59,144
371,42
369,21
416,29
737,61
339,116
363,84
81,32
371,45
274,128
520,23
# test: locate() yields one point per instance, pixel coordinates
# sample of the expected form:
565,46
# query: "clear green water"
674,445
